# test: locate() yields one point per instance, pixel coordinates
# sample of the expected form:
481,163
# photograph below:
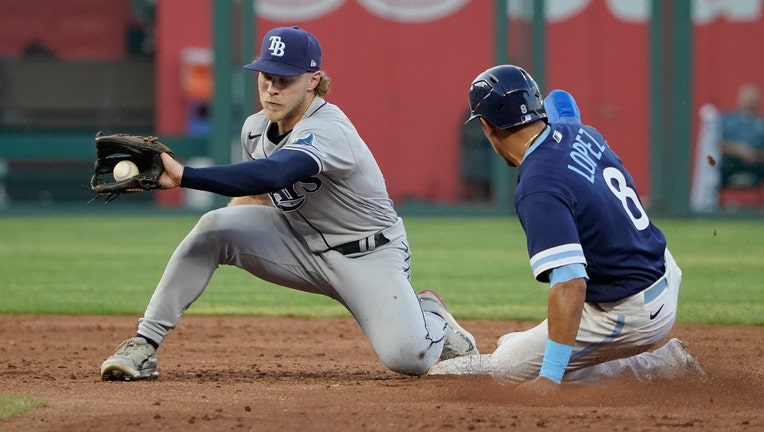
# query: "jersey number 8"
626,195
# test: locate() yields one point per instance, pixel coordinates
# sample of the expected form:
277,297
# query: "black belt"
362,245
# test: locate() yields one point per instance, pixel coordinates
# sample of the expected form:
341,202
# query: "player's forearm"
254,177
565,306
737,149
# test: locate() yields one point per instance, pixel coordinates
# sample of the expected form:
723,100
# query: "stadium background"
73,67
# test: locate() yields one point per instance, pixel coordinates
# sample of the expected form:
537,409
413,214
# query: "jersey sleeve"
306,145
329,140
252,177
551,233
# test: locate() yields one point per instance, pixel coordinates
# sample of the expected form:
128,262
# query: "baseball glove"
144,152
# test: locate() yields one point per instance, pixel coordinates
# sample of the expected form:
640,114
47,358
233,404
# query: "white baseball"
124,170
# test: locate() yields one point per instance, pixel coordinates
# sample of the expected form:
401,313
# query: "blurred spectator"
742,141
36,48
140,32
198,120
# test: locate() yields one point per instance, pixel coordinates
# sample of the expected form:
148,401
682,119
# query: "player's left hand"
540,386
143,152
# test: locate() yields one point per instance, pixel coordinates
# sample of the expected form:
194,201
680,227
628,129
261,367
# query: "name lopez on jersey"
583,153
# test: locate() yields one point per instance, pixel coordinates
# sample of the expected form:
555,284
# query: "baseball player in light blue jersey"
310,211
613,284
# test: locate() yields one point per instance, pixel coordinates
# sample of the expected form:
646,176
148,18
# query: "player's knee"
406,367
212,226
209,221
407,361
207,235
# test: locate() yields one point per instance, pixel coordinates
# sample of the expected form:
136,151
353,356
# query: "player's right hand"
173,172
540,386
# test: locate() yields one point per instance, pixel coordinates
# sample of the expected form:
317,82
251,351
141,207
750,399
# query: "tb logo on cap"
277,46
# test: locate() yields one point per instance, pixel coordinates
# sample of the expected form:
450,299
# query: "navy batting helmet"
506,96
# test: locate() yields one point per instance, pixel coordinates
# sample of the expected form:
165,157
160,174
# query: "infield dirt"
297,374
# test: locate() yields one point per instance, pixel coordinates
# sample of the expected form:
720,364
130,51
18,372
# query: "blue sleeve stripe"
557,256
566,273
562,250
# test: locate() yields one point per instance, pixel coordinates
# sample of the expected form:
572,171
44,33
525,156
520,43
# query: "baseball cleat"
459,342
478,364
681,361
505,338
135,359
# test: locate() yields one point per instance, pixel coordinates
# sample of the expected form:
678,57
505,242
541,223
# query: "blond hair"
324,85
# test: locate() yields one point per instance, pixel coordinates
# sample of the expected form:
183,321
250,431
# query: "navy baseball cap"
288,51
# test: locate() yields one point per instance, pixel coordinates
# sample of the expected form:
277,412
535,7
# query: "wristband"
556,358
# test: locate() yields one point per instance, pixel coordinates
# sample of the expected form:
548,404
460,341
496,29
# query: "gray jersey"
346,200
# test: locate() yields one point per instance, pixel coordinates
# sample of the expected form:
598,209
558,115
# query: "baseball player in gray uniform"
310,211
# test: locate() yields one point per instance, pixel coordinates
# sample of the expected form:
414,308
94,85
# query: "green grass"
12,405
110,265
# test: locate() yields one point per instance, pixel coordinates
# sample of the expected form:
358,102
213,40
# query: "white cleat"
476,364
682,362
459,342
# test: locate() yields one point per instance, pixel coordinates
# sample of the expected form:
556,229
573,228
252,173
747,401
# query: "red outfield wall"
401,69
72,29
402,84
401,73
